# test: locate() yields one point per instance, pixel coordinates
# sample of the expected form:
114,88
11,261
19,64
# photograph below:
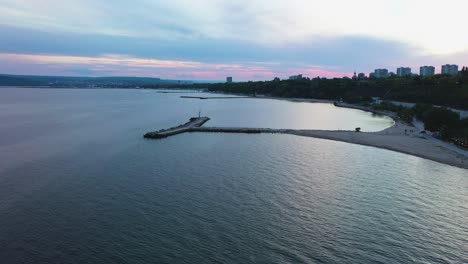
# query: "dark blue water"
79,184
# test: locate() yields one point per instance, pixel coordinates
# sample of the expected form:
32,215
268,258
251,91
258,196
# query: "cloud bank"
246,39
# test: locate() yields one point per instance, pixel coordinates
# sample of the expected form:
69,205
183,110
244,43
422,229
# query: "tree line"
442,120
464,70
444,90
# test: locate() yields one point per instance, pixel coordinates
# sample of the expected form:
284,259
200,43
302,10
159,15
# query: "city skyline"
426,70
248,40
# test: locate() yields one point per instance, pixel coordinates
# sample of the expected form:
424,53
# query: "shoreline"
418,147
400,137
395,138
386,139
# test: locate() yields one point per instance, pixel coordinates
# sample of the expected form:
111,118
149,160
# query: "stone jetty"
195,125
241,130
214,97
194,122
393,138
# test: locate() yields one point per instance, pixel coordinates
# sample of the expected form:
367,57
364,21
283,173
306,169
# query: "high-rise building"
361,76
427,71
450,69
295,77
381,73
229,79
403,71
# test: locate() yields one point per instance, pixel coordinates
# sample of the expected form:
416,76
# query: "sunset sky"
212,39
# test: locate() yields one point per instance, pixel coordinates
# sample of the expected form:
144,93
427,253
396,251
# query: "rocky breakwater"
194,122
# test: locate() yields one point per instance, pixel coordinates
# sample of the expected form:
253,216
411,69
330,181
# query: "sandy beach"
395,139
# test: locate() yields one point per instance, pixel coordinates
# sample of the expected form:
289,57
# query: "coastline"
411,145
400,137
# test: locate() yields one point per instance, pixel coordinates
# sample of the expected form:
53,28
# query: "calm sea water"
79,184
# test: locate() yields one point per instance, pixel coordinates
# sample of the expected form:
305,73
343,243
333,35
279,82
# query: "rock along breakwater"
194,122
394,138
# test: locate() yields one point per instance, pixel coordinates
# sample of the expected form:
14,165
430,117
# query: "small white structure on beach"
376,100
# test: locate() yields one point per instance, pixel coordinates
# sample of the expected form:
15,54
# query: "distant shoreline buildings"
424,71
380,73
296,77
404,72
450,69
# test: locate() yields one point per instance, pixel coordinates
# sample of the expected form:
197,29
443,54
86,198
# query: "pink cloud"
120,65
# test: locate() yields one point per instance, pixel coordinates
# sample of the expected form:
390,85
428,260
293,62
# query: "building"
295,77
229,79
376,100
426,71
361,76
404,72
381,73
450,69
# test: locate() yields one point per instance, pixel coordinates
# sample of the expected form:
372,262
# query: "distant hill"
9,80
55,81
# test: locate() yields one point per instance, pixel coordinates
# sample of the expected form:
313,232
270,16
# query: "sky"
213,39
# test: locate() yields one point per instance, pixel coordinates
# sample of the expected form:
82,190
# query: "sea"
80,184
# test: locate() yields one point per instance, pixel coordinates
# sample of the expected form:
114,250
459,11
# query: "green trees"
447,90
436,119
440,119
444,90
420,110
464,71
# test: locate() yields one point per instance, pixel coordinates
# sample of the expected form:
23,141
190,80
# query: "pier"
195,125
213,97
240,130
392,138
194,122
193,97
